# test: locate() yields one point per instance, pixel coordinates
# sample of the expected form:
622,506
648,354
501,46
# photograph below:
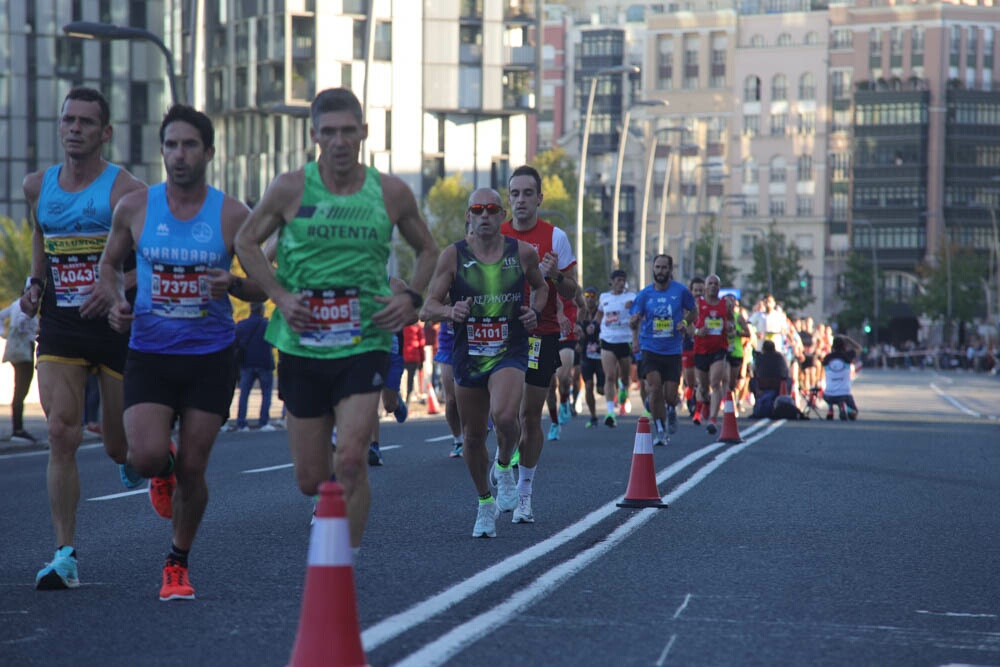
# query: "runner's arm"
109,290
435,308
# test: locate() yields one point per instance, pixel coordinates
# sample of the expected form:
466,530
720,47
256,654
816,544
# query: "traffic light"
867,327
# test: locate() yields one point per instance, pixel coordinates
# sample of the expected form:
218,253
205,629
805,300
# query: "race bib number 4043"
70,274
336,317
180,291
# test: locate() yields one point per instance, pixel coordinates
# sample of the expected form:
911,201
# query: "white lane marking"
123,494
268,469
955,614
439,438
407,619
45,452
680,610
957,404
666,649
448,645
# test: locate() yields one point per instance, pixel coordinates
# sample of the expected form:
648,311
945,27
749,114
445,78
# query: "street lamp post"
645,211
581,181
727,201
618,174
874,246
111,32
665,195
767,255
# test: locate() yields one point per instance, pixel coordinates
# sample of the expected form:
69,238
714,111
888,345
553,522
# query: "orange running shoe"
161,490
176,585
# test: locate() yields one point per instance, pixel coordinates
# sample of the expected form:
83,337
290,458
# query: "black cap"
590,290
618,273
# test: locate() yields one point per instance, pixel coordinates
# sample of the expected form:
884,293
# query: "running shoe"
622,410
696,419
522,513
554,432
486,520
161,490
712,427
374,455
176,585
672,419
852,415
401,412
267,428
23,437
609,421
593,422
564,413
506,489
829,415
130,477
661,440
456,452
59,574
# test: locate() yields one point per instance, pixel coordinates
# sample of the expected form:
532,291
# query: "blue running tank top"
174,310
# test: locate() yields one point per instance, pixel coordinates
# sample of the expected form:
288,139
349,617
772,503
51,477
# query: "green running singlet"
335,252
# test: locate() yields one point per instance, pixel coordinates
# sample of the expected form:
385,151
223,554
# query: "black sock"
178,555
486,496
71,553
169,468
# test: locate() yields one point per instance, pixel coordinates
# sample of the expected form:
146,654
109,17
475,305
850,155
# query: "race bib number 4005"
180,291
336,317
70,274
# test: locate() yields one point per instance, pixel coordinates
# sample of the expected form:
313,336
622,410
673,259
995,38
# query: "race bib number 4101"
487,335
336,317
180,291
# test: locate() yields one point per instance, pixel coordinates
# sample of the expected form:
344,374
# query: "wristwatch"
31,280
559,278
417,299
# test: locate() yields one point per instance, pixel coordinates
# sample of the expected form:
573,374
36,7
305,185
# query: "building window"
749,208
470,44
779,88
692,45
382,49
776,170
751,89
665,63
806,122
757,42
784,39
717,77
875,47
776,207
842,38
804,168
750,174
779,124
807,86
751,125
804,205
839,206
840,84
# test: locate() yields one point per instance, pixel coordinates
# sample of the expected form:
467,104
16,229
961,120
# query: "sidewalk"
34,420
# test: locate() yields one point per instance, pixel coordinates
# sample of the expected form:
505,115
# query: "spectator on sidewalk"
770,370
413,357
256,364
19,330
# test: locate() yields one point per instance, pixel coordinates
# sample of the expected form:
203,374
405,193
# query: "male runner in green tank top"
335,311
478,285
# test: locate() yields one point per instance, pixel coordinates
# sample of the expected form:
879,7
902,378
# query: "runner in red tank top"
711,345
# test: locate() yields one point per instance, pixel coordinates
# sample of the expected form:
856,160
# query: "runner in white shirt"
616,340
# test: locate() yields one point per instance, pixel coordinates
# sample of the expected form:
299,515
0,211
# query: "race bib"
611,319
180,291
663,327
534,351
70,274
714,325
486,335
335,317
593,350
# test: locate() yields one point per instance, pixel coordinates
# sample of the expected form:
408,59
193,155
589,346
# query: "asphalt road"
874,542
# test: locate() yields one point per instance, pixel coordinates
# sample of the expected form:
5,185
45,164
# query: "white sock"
524,477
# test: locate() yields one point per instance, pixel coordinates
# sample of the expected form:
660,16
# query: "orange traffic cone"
329,633
642,491
730,432
433,407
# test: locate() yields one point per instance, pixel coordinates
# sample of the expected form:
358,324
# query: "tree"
15,258
703,250
786,273
444,208
960,297
857,295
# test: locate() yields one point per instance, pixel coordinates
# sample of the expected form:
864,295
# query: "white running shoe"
486,520
506,489
523,514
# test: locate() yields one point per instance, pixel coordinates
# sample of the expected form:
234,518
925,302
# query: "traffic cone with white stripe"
730,431
329,633
642,491
433,407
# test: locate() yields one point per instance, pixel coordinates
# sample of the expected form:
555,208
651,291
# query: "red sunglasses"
492,209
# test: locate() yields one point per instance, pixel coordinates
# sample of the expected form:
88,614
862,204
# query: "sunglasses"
492,209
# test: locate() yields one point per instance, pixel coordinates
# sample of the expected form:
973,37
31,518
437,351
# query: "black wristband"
235,286
559,278
31,282
416,297
538,314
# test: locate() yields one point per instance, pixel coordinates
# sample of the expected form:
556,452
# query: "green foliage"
703,255
857,295
445,208
15,258
968,297
786,268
